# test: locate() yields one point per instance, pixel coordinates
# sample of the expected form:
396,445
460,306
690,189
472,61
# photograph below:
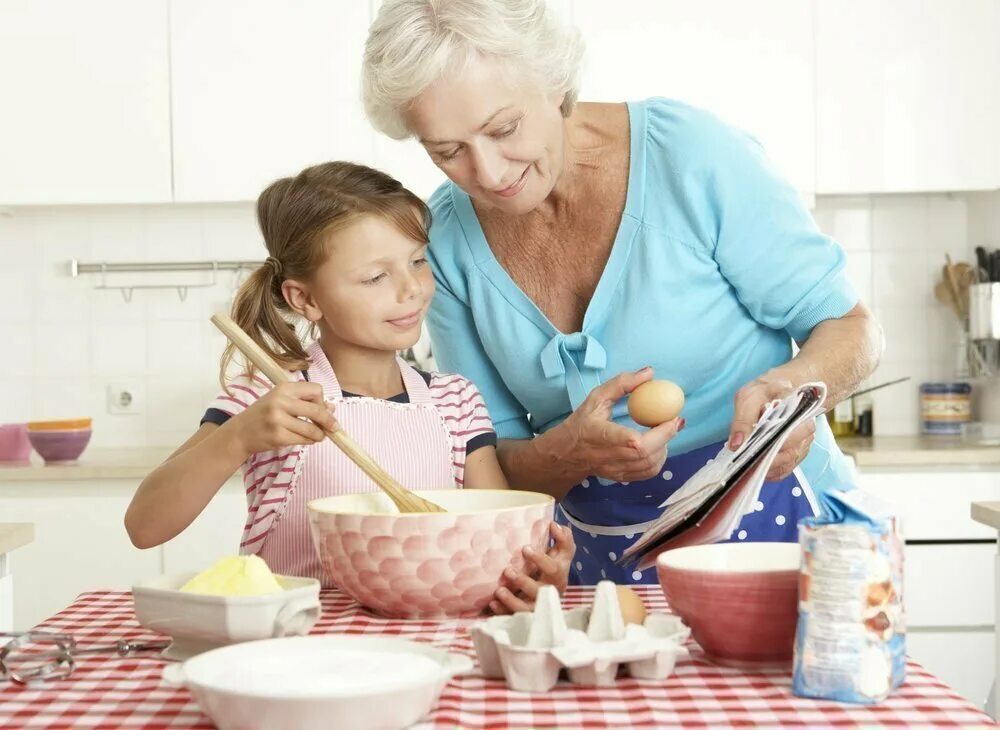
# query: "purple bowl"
60,447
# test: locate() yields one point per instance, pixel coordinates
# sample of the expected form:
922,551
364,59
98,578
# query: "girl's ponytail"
258,309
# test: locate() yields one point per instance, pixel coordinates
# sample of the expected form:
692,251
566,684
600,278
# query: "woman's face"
500,142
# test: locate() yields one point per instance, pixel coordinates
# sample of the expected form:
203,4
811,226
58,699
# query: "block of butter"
237,575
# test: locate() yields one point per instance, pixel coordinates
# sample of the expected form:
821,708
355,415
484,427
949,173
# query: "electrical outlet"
126,398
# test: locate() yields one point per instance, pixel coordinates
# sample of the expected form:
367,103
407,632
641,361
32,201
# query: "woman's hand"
519,589
276,420
749,404
599,446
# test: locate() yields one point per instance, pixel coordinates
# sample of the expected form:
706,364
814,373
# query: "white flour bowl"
318,682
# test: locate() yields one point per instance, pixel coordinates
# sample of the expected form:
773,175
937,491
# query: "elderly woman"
579,248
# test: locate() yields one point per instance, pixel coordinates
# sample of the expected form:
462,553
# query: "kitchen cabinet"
6,595
973,675
261,89
85,89
210,100
749,63
81,545
948,559
907,95
12,537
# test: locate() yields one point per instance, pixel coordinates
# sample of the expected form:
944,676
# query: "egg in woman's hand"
631,606
655,402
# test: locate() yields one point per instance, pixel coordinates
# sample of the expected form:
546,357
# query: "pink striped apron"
410,440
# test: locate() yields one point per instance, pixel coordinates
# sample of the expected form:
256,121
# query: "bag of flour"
851,639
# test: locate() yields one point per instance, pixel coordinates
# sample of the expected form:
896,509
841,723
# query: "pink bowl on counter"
15,448
740,599
422,565
60,447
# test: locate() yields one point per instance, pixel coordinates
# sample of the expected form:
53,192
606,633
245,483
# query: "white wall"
65,342
896,246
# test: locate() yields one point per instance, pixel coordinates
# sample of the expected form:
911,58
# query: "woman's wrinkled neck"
591,134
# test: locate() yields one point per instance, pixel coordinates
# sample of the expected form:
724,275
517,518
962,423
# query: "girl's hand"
519,589
276,420
749,404
599,446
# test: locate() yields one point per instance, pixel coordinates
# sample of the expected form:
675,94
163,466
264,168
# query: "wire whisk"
38,656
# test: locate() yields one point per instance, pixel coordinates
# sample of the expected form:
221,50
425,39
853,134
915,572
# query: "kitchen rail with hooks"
103,269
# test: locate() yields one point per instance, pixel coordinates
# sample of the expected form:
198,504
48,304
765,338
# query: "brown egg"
632,608
655,402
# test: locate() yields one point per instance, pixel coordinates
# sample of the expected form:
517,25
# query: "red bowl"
740,599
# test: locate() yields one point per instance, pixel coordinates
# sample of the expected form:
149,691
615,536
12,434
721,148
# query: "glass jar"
944,408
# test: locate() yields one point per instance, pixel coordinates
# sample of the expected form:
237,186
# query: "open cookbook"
711,504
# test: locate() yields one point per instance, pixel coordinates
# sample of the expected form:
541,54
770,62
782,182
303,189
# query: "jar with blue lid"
945,408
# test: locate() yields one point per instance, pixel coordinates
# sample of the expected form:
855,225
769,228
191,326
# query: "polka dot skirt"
599,502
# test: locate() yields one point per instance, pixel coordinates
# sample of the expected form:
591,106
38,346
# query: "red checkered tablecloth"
108,692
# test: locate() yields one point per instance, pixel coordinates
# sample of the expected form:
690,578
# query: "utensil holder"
984,311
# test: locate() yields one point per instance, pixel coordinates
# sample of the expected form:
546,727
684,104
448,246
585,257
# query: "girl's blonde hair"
412,43
296,216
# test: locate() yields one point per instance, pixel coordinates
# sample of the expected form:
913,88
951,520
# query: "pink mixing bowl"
740,599
60,447
422,565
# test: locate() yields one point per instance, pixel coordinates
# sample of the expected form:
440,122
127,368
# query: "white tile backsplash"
71,341
899,222
896,409
62,350
900,279
947,224
17,399
907,237
118,349
848,219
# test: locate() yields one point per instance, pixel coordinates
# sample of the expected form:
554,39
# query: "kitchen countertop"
122,463
14,535
913,451
880,451
987,513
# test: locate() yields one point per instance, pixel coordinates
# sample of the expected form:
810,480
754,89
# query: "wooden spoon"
952,281
964,276
943,294
403,498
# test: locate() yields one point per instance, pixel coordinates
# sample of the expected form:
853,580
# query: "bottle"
863,416
841,418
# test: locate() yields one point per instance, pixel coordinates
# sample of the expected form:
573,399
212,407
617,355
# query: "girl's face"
502,143
373,290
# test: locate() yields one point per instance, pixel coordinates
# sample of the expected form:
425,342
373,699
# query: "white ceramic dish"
319,682
197,622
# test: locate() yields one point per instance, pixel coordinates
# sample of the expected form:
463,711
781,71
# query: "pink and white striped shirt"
456,399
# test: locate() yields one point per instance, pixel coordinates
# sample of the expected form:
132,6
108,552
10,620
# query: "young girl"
346,249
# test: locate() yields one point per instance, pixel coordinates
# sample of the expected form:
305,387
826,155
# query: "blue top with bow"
716,268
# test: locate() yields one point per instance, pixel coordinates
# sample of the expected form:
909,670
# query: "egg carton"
532,650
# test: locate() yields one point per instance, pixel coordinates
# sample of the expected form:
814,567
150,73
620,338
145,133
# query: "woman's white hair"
412,43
